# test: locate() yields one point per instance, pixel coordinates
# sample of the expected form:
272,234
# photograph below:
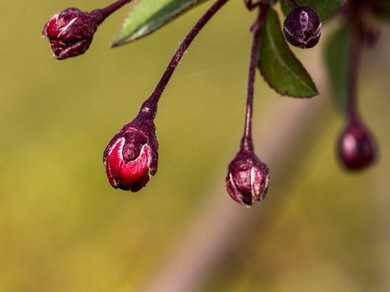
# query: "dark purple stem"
354,56
149,107
353,66
292,4
246,142
101,14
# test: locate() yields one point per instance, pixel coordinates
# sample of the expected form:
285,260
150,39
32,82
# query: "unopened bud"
302,27
70,32
247,178
356,145
131,156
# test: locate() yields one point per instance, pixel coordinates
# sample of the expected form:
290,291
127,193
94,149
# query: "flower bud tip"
302,27
131,156
356,146
248,178
70,32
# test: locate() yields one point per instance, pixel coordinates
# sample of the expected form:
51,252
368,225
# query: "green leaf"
147,16
336,59
324,8
278,65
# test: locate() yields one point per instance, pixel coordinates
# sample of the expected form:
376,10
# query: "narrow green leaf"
324,8
336,58
147,16
278,65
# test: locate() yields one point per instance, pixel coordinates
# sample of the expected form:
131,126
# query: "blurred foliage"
336,57
63,228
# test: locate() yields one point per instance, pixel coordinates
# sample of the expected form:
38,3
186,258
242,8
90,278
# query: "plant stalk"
246,142
101,14
149,107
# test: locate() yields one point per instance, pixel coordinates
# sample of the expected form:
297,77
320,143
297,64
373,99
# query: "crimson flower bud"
302,27
247,178
70,32
356,145
131,156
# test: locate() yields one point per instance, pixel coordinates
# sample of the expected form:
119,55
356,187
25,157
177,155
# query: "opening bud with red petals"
70,32
131,156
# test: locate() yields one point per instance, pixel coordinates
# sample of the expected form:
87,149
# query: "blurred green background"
63,228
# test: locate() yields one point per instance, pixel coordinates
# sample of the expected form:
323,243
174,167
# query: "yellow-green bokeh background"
63,228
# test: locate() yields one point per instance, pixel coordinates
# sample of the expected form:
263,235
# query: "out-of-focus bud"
247,178
302,27
131,156
356,145
70,32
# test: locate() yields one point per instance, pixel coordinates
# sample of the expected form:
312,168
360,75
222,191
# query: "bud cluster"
131,157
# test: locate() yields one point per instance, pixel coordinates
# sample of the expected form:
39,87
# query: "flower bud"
131,156
356,145
247,178
70,32
302,27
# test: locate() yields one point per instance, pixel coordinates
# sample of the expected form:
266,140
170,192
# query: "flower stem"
149,107
101,14
354,57
353,71
292,4
246,142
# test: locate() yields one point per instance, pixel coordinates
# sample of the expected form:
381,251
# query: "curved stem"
252,4
292,4
246,142
354,56
101,14
353,68
149,107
